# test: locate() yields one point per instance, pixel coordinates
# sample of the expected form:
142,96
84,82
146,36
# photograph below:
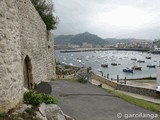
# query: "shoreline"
143,78
104,49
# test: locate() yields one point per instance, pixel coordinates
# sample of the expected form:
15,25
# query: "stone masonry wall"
127,88
50,58
11,80
33,39
22,33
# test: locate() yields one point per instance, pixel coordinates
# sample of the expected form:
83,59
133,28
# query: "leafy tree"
46,10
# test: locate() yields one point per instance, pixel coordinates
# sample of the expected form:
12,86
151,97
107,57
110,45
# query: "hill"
93,39
62,39
79,39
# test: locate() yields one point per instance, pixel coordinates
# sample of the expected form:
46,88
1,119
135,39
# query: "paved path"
143,97
88,102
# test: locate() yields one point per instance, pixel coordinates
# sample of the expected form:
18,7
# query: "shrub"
89,69
31,111
48,99
35,99
67,67
82,79
45,10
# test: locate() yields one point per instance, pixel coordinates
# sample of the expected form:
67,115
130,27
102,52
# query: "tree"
45,10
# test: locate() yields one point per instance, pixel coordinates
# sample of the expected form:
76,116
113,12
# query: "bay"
94,59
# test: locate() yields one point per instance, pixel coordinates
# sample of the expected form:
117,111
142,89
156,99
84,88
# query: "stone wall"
104,80
127,88
22,35
11,80
138,90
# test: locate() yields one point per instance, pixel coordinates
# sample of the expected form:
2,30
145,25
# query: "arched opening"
27,71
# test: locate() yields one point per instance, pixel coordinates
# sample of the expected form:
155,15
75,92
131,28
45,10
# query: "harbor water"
123,59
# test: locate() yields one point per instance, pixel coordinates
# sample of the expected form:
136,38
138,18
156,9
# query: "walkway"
147,98
89,102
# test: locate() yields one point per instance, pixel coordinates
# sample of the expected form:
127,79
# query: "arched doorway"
27,71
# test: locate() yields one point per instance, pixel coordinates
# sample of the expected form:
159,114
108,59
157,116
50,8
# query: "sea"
123,59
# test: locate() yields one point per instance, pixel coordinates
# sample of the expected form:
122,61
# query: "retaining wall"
127,88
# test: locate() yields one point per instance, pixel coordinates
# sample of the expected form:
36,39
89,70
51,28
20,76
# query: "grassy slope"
142,103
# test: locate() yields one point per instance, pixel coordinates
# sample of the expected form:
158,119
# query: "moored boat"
128,70
148,57
141,61
114,64
151,66
104,65
135,67
133,59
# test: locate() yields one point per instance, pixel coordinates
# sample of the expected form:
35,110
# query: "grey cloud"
76,17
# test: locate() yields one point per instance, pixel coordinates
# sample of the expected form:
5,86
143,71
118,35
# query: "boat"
148,57
79,61
133,59
128,70
151,66
104,65
114,64
135,67
141,61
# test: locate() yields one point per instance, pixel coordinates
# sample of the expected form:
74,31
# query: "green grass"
144,81
145,78
141,103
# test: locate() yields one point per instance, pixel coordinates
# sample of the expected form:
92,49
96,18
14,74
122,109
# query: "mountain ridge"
87,37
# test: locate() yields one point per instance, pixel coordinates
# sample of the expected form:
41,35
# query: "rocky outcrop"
51,112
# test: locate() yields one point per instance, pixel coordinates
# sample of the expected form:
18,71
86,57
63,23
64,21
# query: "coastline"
104,49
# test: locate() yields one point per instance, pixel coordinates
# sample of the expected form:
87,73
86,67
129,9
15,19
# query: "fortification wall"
23,38
11,80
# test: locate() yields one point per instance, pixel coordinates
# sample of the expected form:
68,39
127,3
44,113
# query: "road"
89,102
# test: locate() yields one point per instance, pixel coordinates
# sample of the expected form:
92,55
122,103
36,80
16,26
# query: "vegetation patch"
145,78
62,69
139,102
31,111
35,99
46,10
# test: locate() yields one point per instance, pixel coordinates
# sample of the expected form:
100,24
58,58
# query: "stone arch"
27,73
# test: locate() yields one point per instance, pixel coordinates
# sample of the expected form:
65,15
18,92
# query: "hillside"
93,39
79,39
62,39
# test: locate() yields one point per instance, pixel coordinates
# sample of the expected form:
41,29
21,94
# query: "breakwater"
105,49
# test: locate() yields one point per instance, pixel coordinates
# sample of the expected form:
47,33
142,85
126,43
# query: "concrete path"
88,102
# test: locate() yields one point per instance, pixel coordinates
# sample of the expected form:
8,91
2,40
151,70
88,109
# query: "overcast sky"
109,18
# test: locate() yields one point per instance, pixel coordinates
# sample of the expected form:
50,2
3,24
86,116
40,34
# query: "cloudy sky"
109,18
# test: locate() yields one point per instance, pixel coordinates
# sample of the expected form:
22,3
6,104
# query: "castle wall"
11,80
22,33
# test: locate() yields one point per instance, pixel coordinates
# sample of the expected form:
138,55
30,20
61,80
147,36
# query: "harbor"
112,62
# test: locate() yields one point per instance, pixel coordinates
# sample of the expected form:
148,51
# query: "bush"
35,99
31,111
45,10
67,67
82,79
